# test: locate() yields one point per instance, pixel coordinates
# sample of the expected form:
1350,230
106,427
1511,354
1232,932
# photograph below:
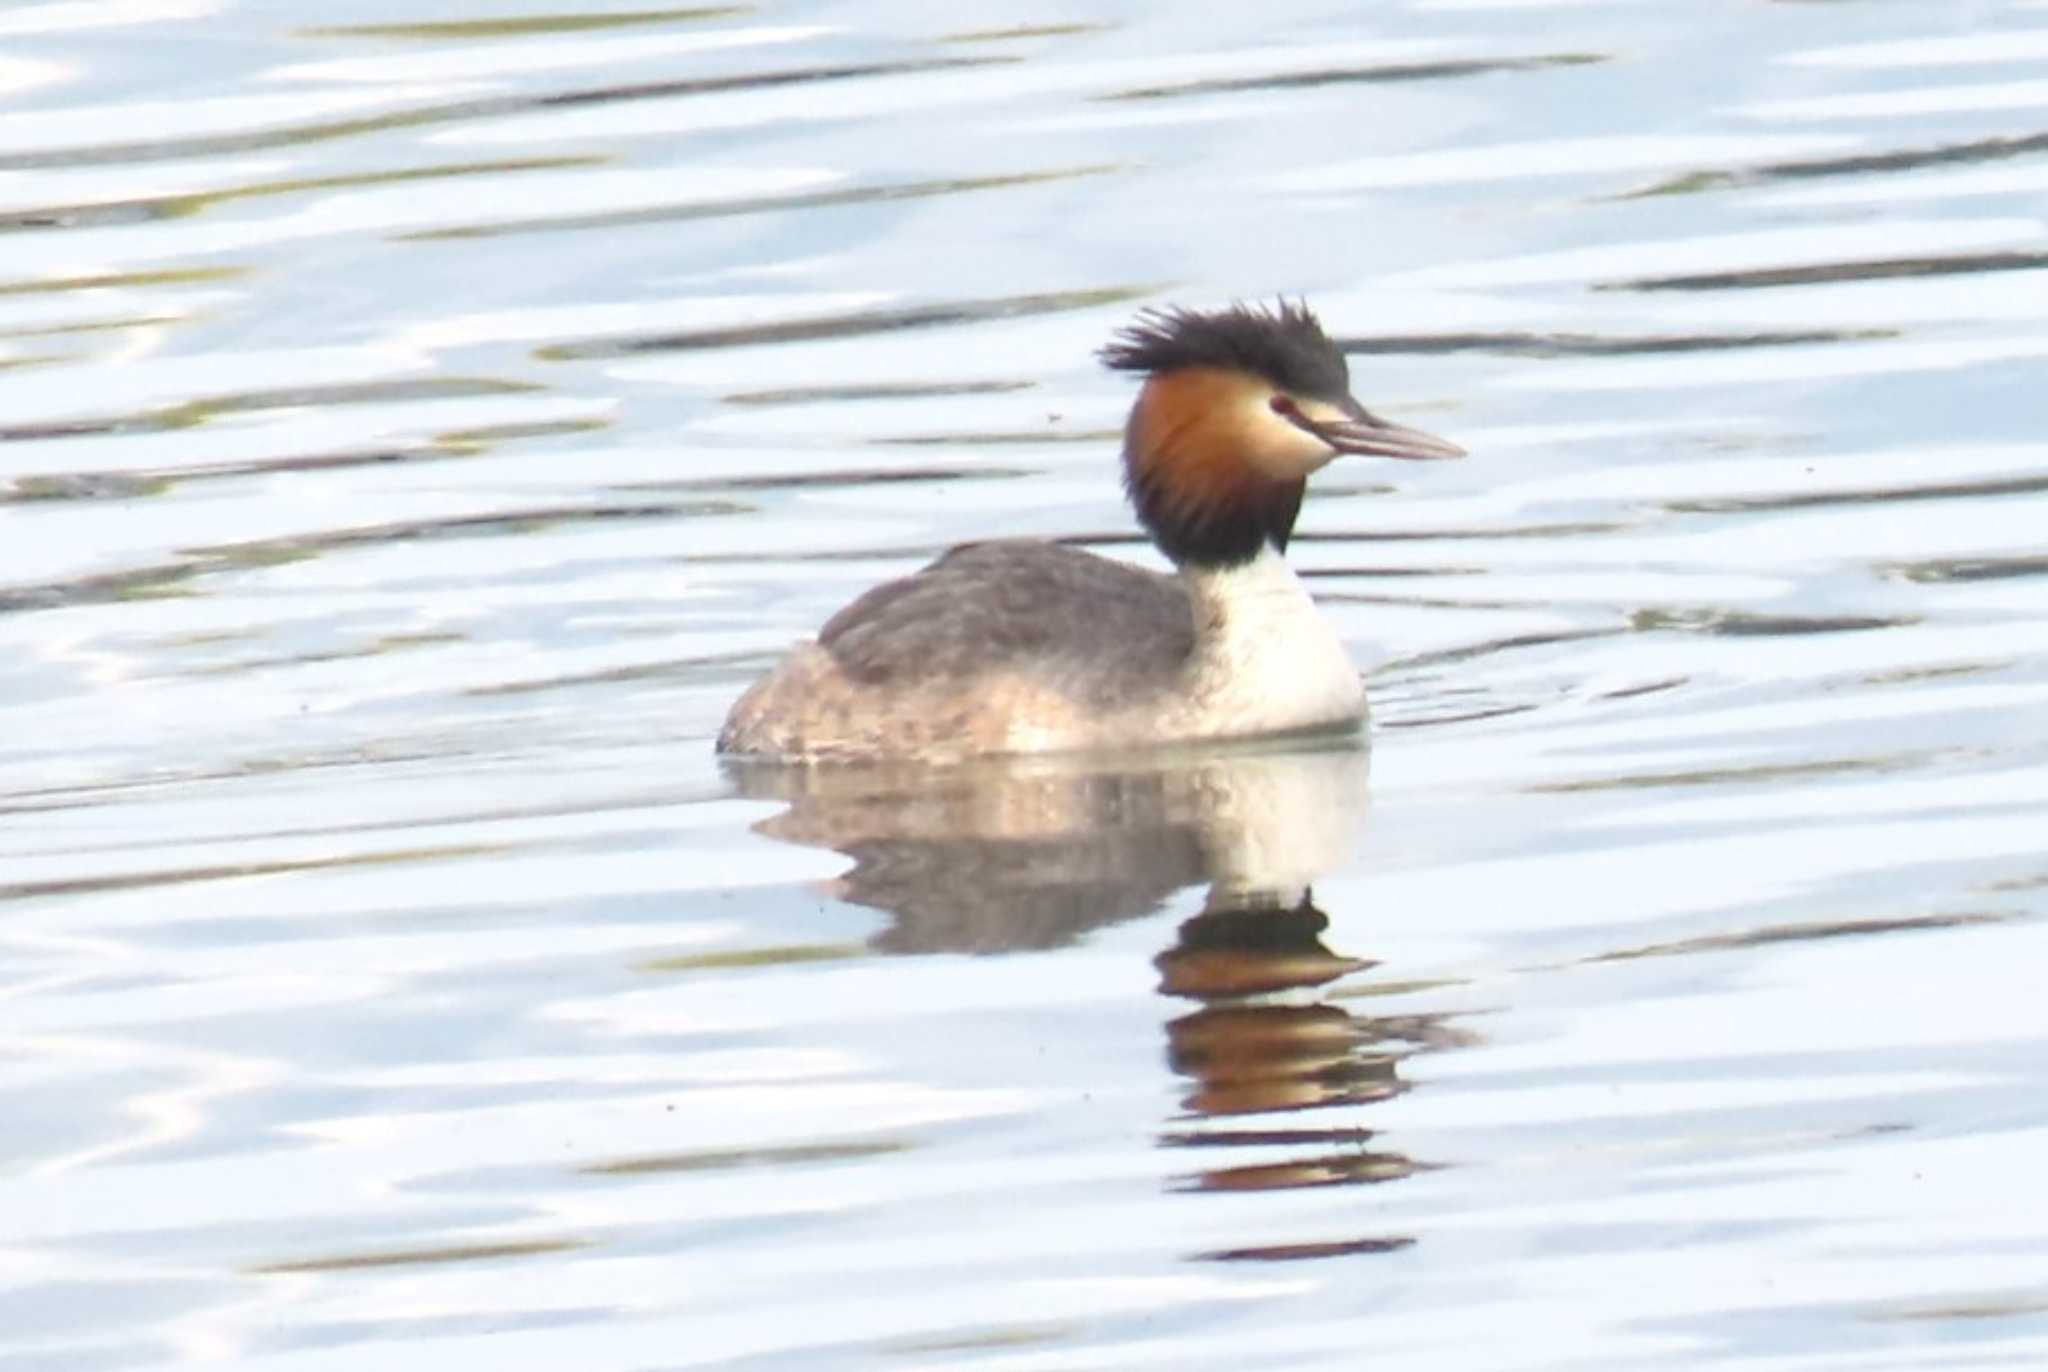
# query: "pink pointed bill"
1376,438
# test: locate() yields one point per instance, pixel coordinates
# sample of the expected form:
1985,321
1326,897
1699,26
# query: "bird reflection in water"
1006,855
1251,1053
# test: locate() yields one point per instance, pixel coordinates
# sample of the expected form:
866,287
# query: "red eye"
1281,405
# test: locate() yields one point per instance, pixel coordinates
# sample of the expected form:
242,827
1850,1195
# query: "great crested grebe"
1023,646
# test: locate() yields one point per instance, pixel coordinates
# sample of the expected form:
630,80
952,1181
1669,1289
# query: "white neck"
1265,659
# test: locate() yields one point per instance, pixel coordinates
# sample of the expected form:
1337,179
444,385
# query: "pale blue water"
417,424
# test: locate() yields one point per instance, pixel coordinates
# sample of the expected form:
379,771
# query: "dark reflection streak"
165,578
1910,159
472,1252
881,390
158,150
1465,717
1962,264
178,876
100,214
249,666
1376,990
1720,623
777,955
95,794
98,281
2002,1306
111,324
1978,150
855,325
1724,776
1946,490
894,553
1022,31
1646,689
1253,1138
1799,933
1295,1252
516,521
1446,656
1517,344
1346,573
1937,671
103,214
1420,602
101,793
699,670
1338,489
148,481
990,440
134,584
1735,624
1331,76
81,486
198,411
548,24
1434,535
806,557
658,90
730,1159
1966,568
764,204
835,477
153,422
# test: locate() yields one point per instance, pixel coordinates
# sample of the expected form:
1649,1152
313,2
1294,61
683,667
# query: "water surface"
416,425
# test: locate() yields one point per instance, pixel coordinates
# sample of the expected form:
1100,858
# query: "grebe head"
1239,406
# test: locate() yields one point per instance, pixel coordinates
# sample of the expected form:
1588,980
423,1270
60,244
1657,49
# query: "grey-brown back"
1098,630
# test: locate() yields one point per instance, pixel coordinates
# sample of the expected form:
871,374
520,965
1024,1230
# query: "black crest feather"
1283,343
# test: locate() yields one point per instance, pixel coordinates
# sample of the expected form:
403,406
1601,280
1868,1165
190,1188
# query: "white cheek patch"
1280,446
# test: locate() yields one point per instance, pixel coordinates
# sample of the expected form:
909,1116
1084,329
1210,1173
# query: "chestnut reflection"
1248,1054
1033,853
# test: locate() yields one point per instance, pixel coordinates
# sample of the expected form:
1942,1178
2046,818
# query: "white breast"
1265,660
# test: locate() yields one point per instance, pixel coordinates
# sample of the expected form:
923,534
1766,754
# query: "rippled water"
417,423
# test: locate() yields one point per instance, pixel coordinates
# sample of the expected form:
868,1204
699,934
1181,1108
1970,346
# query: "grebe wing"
1015,603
